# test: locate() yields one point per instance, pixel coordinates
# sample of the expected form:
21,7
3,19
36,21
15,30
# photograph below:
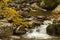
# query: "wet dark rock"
54,29
10,20
41,18
49,5
38,30
51,30
36,24
30,31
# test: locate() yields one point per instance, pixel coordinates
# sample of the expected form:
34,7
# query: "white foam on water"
42,31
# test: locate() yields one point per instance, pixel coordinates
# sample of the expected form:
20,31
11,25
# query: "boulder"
49,5
57,10
20,30
54,29
6,29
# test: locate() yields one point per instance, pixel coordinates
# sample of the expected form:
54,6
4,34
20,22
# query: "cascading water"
41,33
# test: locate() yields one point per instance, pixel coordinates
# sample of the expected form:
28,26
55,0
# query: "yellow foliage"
5,2
1,4
13,14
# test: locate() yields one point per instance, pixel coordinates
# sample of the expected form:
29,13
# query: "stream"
41,33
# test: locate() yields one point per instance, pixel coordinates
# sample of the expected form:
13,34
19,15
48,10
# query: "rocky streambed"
46,23
44,30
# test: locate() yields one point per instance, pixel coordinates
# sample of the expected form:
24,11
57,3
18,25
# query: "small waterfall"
41,33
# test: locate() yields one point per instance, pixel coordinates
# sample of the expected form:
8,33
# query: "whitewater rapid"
41,34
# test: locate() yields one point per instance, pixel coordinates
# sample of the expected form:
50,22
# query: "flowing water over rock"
40,32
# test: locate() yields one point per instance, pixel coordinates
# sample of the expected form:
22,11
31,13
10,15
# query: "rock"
41,18
24,5
57,10
49,5
10,20
19,30
37,23
6,29
51,30
34,6
1,15
26,16
54,29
